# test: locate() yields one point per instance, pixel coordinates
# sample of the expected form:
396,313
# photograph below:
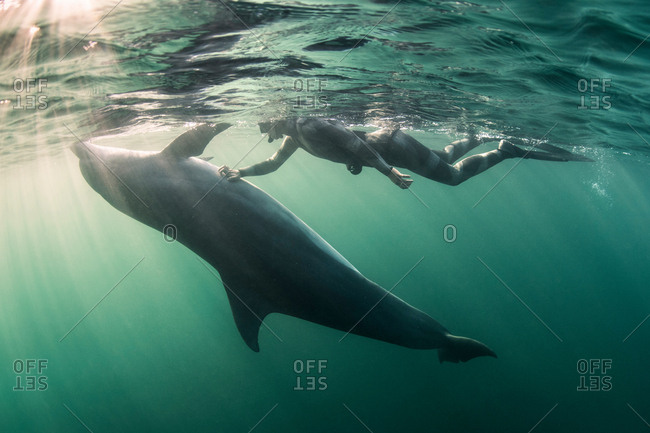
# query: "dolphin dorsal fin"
194,141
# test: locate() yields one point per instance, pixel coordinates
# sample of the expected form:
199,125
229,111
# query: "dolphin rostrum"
269,260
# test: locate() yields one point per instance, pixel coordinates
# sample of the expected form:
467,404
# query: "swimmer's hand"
231,175
399,179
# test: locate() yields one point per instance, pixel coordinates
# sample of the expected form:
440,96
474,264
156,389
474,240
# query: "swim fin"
565,153
551,153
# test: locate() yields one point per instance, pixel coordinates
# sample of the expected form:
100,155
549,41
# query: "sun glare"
8,4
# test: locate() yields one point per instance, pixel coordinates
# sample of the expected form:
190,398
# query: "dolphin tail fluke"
462,349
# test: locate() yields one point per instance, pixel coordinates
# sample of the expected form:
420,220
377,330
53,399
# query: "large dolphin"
269,260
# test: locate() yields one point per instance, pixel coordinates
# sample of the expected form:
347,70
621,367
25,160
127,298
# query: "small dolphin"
269,260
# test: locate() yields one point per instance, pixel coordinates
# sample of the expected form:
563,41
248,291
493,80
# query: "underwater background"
108,326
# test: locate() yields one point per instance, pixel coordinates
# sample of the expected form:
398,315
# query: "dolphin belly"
271,261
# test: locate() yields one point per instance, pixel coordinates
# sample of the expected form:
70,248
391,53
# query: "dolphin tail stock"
462,349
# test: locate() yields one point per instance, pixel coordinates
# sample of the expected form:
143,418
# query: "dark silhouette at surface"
384,150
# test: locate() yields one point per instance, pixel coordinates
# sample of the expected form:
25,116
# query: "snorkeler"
384,150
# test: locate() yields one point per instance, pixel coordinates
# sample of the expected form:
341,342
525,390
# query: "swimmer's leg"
407,152
402,150
461,171
475,164
459,148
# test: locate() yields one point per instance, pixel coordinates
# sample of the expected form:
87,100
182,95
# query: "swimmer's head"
272,129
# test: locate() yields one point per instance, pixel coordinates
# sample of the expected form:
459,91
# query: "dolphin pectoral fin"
248,317
462,349
194,141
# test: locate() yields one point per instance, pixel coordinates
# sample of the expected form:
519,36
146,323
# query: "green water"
161,352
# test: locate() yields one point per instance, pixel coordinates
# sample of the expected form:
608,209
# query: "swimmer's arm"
267,166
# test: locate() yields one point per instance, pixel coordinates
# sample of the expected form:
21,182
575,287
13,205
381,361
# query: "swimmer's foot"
509,150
